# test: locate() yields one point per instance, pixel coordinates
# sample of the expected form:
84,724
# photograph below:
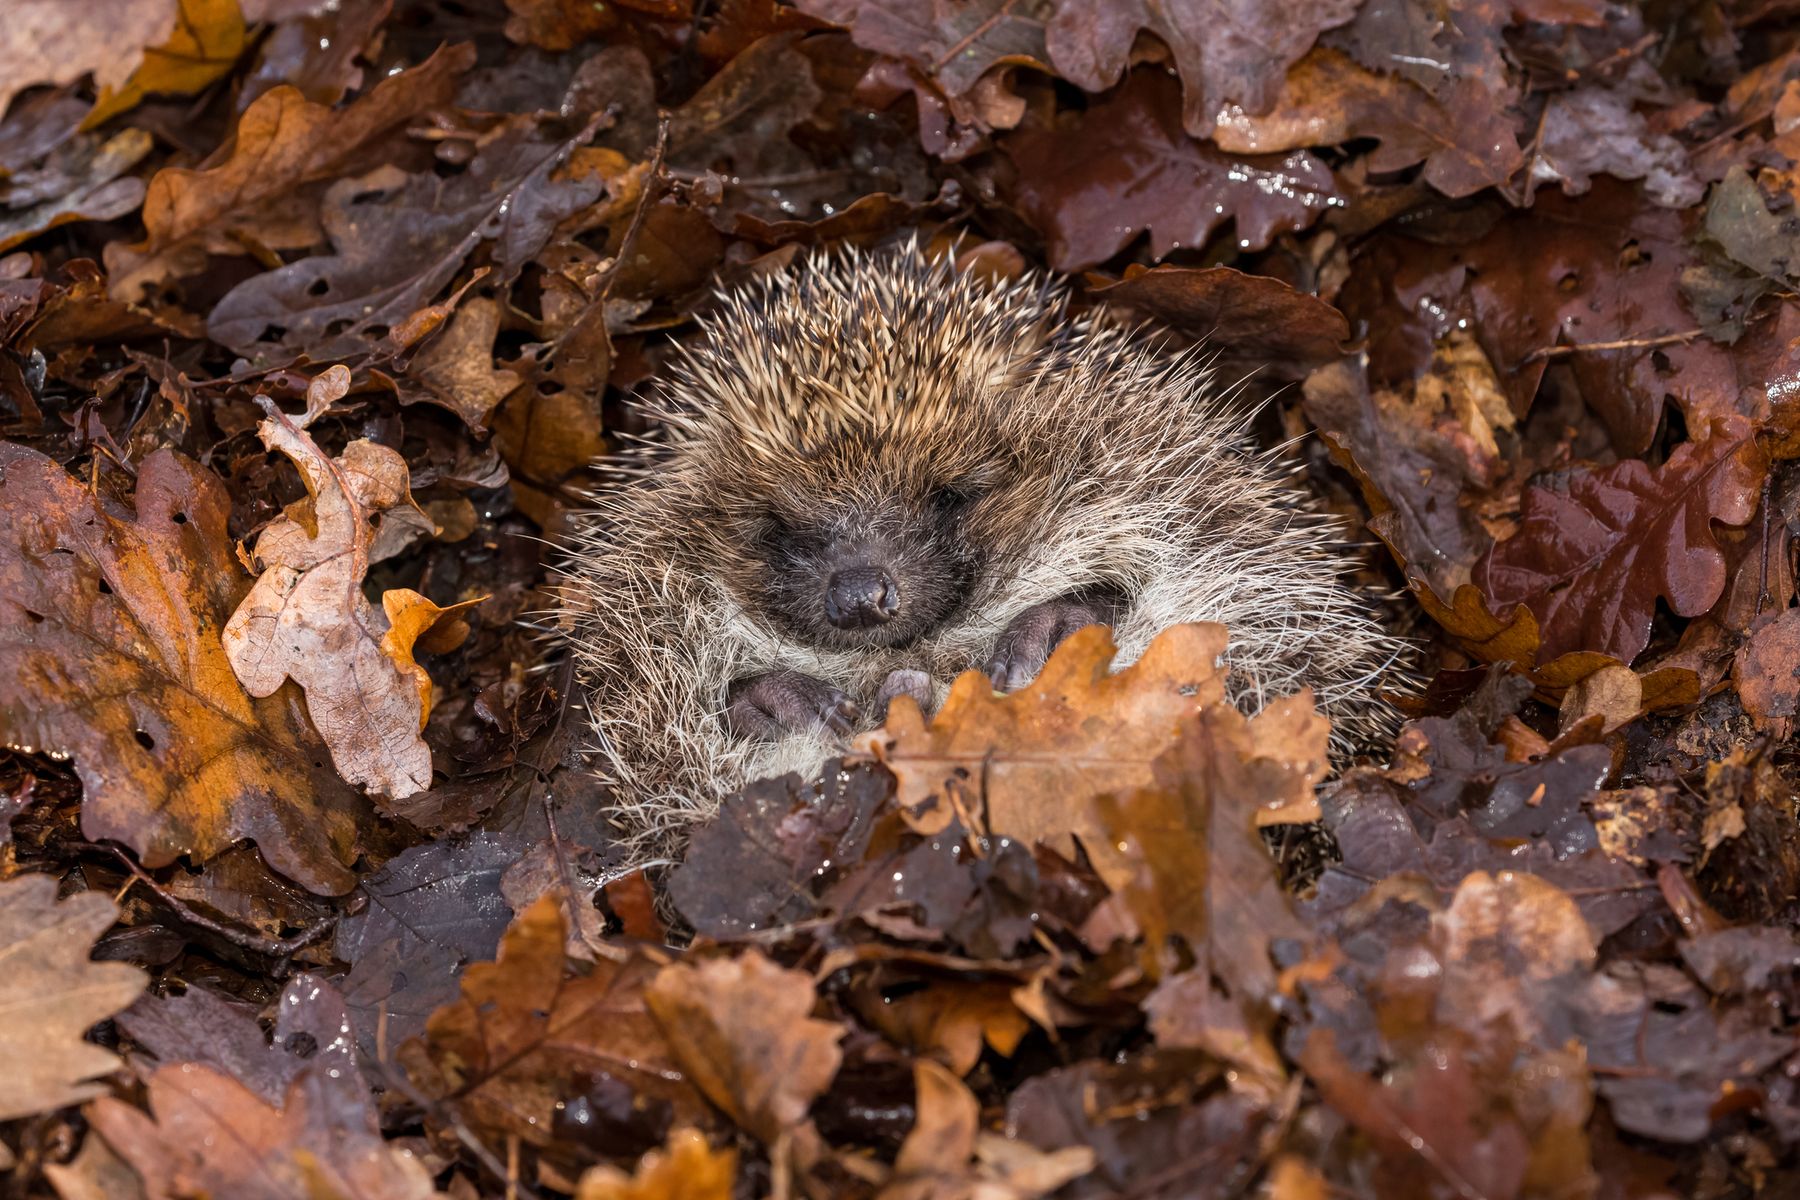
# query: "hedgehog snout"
861,597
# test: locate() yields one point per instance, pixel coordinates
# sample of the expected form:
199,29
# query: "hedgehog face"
869,542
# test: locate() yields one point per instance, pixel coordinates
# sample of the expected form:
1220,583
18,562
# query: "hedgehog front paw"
904,681
1035,633
764,707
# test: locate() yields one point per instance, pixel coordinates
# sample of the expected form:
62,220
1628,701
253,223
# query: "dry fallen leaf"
525,1033
52,41
743,1031
50,994
110,651
204,44
1037,758
307,619
209,1135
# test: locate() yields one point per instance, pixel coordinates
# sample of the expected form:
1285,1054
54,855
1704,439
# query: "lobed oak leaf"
207,1134
111,652
1595,130
306,618
1597,548
1225,51
1466,141
1097,179
687,1168
253,193
399,239
954,44
743,1031
524,1033
51,993
456,368
1030,763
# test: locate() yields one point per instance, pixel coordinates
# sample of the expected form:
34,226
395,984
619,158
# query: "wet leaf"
92,188
511,1048
113,654
51,993
1596,549
1242,316
1095,181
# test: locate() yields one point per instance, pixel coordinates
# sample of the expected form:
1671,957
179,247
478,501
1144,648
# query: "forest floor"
313,316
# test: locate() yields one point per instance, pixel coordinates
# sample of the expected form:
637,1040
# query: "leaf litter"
311,317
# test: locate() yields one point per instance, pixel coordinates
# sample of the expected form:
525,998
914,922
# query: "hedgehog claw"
764,707
1034,635
904,681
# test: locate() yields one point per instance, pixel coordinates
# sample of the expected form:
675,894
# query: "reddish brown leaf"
1248,316
1767,671
1095,180
524,1033
1596,549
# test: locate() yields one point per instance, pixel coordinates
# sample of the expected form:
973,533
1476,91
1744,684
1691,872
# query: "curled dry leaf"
50,994
1032,762
307,619
743,1030
110,651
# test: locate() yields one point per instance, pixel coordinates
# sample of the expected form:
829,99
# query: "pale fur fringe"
1170,506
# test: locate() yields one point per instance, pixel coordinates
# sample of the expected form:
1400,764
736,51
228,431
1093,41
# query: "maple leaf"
51,994
1031,762
742,1029
110,652
208,1134
1596,549
1095,181
252,194
307,619
523,1033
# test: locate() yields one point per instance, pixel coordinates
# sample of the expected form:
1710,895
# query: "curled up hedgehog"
874,473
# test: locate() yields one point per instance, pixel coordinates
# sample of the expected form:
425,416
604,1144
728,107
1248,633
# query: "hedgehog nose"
858,597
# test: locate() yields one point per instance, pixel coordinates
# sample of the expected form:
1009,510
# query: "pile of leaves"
313,315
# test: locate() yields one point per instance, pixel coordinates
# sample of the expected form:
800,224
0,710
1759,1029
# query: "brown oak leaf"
525,1033
51,41
255,191
1029,765
1597,548
207,38
306,619
1237,315
742,1028
110,652
686,1168
1095,180
50,994
207,1134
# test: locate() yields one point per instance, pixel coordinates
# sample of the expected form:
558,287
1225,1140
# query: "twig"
1667,339
653,176
246,939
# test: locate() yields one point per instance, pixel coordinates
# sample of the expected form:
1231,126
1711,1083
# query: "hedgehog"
872,472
